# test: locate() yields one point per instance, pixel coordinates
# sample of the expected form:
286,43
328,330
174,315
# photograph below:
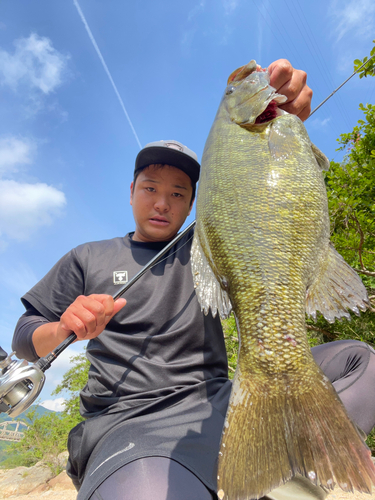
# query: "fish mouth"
271,112
264,102
266,112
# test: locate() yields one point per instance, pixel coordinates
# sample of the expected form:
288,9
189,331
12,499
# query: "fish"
261,249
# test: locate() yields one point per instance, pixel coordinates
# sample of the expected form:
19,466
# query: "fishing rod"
21,383
338,88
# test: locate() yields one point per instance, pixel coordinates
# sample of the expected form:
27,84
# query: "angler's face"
161,202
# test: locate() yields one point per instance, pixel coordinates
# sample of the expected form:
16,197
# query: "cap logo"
173,146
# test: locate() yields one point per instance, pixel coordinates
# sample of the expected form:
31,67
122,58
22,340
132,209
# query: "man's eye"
177,195
150,189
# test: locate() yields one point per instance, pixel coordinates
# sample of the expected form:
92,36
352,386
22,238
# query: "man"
157,391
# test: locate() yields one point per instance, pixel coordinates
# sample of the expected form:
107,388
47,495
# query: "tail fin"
277,429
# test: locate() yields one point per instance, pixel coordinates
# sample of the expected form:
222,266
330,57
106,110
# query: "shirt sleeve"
47,301
59,288
22,343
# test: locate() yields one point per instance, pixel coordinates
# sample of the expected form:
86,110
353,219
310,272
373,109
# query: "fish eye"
230,90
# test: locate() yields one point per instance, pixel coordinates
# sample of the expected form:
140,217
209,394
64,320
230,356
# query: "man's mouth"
159,221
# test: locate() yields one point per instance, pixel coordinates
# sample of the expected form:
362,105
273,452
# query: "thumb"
117,306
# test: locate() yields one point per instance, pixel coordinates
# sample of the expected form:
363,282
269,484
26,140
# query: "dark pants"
350,366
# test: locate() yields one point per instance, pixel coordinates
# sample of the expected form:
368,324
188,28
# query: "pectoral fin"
208,289
335,289
320,157
282,141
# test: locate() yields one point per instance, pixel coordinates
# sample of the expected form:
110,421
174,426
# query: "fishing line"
338,88
289,48
326,68
323,70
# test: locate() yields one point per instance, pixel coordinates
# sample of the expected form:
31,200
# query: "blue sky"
67,148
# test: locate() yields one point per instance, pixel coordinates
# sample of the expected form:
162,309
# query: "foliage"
44,439
4,447
47,435
369,69
231,343
73,381
371,441
351,199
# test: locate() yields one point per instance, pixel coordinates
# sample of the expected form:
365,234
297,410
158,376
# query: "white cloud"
320,123
15,151
54,404
35,62
353,15
24,207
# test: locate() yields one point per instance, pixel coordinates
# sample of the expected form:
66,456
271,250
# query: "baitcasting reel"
21,383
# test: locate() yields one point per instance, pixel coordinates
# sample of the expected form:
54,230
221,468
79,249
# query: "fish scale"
261,248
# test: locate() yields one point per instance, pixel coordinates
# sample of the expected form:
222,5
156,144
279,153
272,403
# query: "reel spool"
20,384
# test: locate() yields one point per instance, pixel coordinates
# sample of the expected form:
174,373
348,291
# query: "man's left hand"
291,83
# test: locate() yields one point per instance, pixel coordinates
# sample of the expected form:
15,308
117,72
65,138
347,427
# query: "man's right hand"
86,317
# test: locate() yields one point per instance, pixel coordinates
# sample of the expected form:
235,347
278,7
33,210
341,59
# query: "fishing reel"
20,384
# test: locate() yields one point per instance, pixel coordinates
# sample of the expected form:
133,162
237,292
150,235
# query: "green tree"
44,439
351,200
369,69
231,343
72,383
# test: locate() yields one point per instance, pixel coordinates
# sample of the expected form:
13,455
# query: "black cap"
171,153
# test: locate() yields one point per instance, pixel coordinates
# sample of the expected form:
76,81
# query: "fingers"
118,305
291,83
280,71
88,316
301,106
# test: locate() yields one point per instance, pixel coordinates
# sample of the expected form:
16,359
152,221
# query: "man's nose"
161,204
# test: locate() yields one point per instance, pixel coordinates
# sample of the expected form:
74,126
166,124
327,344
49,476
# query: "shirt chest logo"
120,277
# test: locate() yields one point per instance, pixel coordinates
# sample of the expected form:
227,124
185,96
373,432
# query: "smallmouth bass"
261,248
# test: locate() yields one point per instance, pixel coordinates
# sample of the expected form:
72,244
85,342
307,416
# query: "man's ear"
131,193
